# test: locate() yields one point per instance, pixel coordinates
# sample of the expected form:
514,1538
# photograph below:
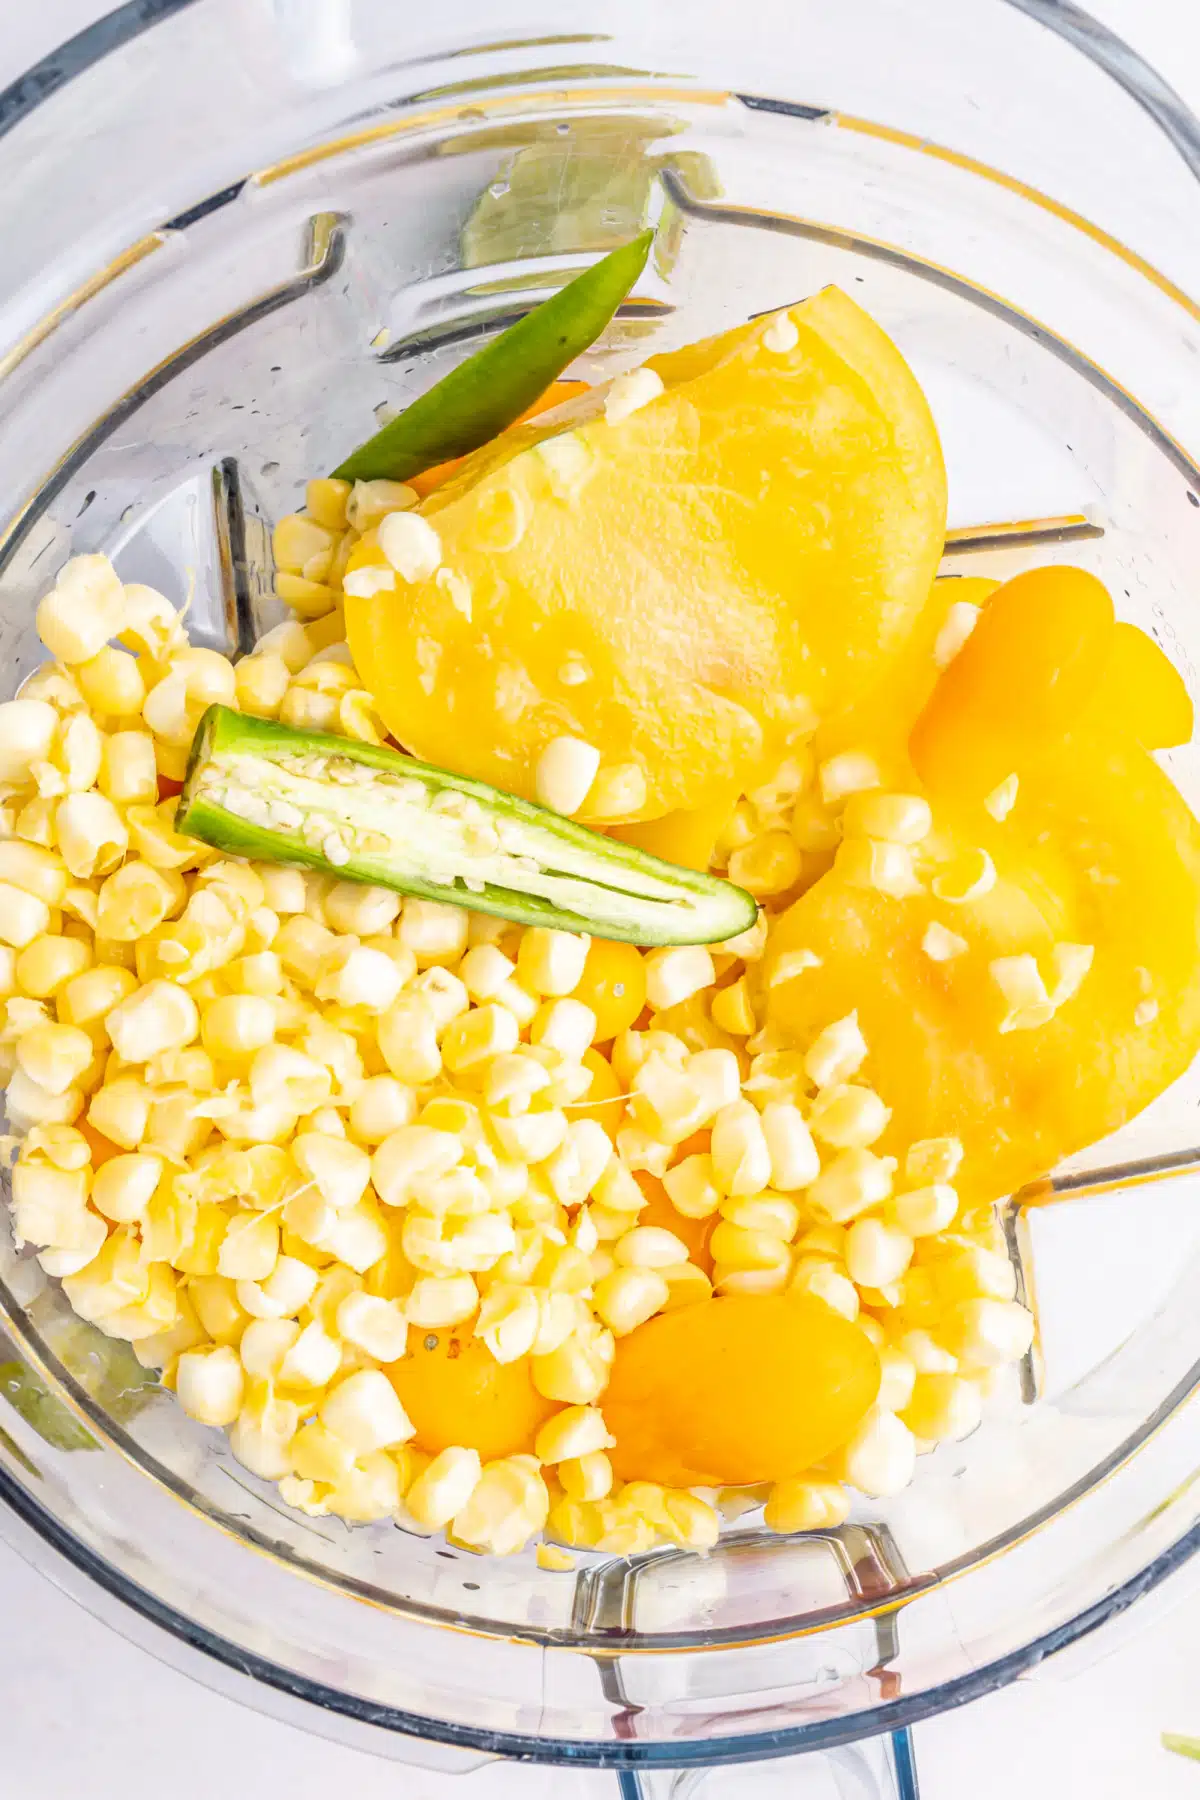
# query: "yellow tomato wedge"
683,587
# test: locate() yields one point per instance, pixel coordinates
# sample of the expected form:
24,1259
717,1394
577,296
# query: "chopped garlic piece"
968,878
791,964
1070,963
1020,982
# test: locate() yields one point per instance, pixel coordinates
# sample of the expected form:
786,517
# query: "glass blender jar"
236,227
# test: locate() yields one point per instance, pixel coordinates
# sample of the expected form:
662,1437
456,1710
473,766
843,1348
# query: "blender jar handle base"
876,1769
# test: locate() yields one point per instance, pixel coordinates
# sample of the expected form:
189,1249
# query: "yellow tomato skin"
1097,849
455,1392
738,1390
613,984
685,626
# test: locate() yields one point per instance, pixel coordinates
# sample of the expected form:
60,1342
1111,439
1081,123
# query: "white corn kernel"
676,973
564,774
848,1117
876,1253
628,1297
365,1412
836,1053
880,1458
443,1488
160,1016
411,545
209,1384
83,610
854,1181
961,620
896,818
628,393
741,1158
924,1211
550,963
850,772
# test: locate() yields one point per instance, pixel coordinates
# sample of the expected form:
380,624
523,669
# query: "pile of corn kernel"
271,1123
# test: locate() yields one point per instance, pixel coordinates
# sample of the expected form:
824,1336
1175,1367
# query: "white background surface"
85,1714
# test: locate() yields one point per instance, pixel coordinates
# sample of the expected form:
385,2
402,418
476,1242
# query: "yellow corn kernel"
508,1505
91,834
896,818
988,1332
120,1111
629,1296
161,1016
823,1279
443,1488
217,1308
111,682
27,730
767,1212
836,1053
736,1248
313,1359
806,1503
89,997
325,501
586,1478
46,965
768,865
732,1009
550,963
933,1159
923,1212
299,542
54,1056
210,1385
86,607
877,1254
23,916
689,1521
575,1373
135,899
853,1182
848,1117
943,1408
741,1159
237,1026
